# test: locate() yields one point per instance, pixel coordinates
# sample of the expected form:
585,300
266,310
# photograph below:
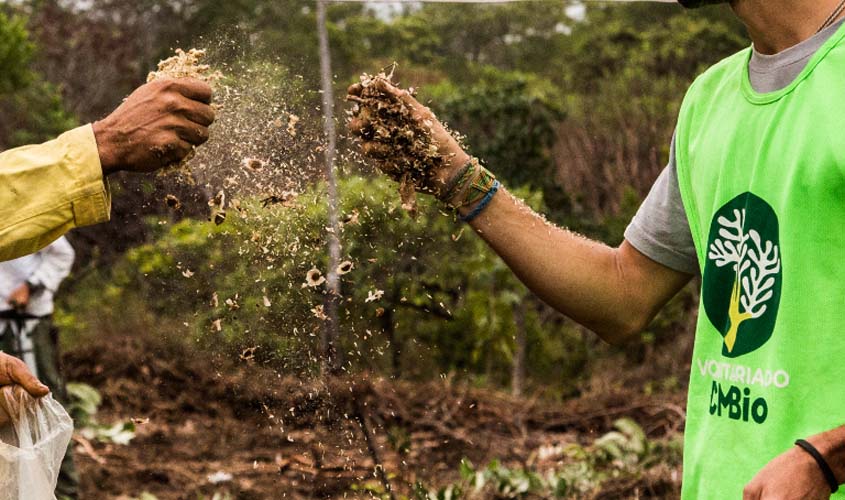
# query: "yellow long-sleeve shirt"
48,189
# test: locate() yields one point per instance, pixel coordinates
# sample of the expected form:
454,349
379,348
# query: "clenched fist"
156,126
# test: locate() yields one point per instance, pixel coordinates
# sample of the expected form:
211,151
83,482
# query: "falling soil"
209,424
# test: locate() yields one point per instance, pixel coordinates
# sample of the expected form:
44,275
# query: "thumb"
20,374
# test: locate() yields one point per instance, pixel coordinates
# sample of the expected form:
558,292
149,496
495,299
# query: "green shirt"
762,178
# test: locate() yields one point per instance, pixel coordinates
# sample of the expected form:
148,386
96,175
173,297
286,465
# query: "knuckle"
169,102
181,104
168,84
161,87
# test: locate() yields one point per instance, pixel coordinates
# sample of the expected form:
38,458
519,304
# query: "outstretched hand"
380,149
156,126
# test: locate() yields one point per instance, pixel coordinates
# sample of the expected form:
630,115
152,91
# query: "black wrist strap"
826,470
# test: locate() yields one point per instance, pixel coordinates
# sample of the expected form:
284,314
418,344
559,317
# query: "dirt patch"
281,437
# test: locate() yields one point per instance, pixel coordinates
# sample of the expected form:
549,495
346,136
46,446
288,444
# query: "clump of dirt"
185,65
408,153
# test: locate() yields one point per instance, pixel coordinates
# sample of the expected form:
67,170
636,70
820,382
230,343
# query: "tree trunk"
518,378
388,325
331,356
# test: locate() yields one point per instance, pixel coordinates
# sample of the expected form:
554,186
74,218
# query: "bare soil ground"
280,437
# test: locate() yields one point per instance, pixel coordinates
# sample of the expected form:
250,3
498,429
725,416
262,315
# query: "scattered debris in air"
248,354
344,267
319,313
292,121
253,163
313,278
374,295
217,204
172,202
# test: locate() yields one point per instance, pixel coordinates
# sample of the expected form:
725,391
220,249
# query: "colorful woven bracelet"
484,202
458,181
479,188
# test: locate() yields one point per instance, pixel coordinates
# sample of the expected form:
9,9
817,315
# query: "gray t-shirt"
660,229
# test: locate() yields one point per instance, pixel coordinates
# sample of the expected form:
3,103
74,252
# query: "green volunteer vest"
762,178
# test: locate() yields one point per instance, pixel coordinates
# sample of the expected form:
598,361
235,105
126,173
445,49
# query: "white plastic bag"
34,435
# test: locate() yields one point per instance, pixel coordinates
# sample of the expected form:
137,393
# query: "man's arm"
50,188
55,265
613,291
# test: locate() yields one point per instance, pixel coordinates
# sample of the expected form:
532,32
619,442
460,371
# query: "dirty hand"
19,298
14,371
156,126
453,155
793,475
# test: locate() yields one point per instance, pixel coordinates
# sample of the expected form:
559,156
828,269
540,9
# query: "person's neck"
776,25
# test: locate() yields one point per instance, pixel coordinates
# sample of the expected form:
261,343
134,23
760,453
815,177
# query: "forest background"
572,105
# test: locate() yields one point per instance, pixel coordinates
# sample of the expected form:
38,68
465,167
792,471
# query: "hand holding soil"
404,137
157,125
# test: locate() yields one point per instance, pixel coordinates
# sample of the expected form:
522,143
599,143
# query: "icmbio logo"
743,276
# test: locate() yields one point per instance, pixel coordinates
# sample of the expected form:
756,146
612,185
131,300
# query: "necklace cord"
833,16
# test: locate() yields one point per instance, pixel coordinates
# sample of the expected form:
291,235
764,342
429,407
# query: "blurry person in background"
27,287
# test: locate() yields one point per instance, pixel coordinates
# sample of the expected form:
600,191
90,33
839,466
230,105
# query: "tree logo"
742,275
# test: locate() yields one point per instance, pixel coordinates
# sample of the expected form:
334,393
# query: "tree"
31,108
15,54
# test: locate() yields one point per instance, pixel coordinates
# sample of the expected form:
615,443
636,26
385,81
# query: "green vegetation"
83,406
574,114
563,471
445,307
30,108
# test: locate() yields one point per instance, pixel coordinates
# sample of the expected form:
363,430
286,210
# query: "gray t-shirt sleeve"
660,229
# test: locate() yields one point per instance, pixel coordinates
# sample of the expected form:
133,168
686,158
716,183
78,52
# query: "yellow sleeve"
48,189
